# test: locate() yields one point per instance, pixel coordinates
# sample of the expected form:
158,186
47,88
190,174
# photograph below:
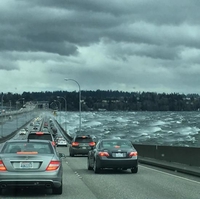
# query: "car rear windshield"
40,136
19,147
86,139
120,143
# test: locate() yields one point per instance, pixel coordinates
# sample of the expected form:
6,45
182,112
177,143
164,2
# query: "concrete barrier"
178,154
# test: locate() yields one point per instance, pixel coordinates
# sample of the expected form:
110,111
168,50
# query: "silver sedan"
30,163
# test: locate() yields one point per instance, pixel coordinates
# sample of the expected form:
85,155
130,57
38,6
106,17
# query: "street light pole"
2,101
65,110
18,101
2,113
59,109
10,104
67,79
16,109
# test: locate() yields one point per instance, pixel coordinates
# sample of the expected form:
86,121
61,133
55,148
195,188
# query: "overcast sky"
125,45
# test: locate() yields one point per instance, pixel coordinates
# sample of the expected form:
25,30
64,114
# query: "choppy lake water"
162,128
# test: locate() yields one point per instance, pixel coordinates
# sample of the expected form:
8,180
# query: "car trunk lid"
25,162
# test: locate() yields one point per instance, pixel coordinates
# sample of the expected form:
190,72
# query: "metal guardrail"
65,134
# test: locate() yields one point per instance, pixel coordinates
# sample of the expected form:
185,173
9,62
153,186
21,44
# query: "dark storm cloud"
8,66
58,26
155,11
111,44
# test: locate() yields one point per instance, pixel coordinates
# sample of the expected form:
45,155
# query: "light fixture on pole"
67,79
58,97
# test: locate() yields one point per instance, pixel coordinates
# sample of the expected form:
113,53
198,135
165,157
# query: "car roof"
83,136
114,139
28,140
44,132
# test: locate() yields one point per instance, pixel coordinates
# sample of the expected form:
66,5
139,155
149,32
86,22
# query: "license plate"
26,165
119,155
83,147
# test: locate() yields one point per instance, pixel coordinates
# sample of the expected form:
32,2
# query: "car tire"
134,170
88,165
95,168
57,190
71,154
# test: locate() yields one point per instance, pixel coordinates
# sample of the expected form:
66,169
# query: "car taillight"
27,152
2,166
75,143
39,133
92,143
133,153
53,165
53,143
103,154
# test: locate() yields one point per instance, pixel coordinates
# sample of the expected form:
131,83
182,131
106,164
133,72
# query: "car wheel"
71,154
134,170
95,168
88,164
57,190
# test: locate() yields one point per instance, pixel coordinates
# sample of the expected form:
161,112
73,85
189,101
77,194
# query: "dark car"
113,153
30,163
81,145
40,135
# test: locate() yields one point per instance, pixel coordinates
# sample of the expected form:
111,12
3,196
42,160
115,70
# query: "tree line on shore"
108,100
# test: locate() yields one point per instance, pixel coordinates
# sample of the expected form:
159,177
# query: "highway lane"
149,183
71,182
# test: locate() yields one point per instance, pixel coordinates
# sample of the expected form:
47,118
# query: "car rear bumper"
79,151
117,163
30,183
30,179
60,144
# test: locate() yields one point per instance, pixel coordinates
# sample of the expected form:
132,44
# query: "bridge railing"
178,154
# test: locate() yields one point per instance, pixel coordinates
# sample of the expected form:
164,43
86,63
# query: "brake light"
2,166
133,153
92,143
39,133
53,143
75,143
103,154
27,152
53,165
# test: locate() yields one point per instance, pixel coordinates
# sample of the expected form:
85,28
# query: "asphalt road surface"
148,183
79,183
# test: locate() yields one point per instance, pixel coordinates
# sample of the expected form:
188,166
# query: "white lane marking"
77,174
171,174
